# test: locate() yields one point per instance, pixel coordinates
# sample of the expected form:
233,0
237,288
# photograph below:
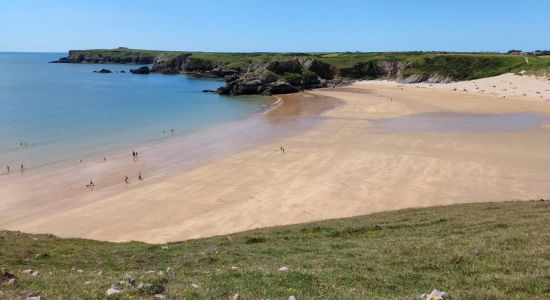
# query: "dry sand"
340,161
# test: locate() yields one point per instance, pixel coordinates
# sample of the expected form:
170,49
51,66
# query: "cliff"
276,73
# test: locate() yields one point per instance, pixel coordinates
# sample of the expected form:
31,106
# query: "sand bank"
340,161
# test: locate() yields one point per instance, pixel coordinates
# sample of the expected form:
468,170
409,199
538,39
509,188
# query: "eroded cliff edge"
279,73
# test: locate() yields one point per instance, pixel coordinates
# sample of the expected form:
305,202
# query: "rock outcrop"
142,70
167,64
103,71
278,77
373,69
7,278
185,63
429,78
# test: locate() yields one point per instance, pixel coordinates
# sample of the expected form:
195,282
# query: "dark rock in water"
104,71
122,71
142,70
208,91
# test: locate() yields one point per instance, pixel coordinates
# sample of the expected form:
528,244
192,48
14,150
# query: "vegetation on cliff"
248,73
471,251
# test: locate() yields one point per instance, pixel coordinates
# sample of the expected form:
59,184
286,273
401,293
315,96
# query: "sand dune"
340,161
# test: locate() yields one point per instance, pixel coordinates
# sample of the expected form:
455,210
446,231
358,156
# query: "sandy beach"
345,156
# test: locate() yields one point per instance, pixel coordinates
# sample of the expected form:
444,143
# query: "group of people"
126,178
171,131
282,149
8,168
92,184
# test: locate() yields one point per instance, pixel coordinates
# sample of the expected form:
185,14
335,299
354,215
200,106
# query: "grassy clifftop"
473,251
406,66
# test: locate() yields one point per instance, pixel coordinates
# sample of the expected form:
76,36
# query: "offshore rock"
142,70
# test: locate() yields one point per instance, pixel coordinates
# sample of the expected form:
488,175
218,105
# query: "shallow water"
68,112
462,122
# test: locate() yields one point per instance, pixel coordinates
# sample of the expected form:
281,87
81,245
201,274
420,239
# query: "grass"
472,251
466,66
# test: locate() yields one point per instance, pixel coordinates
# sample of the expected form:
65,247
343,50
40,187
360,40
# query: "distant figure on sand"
134,154
8,168
22,167
126,179
91,183
139,177
172,131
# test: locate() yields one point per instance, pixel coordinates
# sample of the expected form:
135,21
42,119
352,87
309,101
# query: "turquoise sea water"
68,112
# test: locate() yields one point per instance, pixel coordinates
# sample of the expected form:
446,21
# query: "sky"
276,25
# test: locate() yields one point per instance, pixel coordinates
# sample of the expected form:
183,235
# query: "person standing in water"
172,131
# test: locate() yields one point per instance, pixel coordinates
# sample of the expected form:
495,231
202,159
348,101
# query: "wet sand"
341,160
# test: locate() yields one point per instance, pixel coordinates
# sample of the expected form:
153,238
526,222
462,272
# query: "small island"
103,71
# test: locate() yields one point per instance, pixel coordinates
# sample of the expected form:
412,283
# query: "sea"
51,112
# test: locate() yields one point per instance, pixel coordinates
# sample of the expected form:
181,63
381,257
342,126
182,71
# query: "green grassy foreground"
471,251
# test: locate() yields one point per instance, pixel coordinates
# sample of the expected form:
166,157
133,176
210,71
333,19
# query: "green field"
472,251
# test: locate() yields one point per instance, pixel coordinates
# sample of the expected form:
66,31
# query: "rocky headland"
282,73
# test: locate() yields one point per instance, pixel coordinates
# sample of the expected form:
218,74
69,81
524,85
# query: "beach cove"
341,160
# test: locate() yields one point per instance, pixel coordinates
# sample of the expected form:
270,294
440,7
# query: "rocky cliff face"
374,69
80,57
297,73
185,63
282,77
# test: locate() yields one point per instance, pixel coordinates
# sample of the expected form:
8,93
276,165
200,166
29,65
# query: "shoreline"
337,164
97,155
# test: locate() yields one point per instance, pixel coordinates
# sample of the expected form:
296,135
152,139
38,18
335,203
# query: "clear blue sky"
277,25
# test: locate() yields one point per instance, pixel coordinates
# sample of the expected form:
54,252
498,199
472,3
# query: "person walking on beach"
91,183
139,177
8,168
22,167
126,179
134,154
172,131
